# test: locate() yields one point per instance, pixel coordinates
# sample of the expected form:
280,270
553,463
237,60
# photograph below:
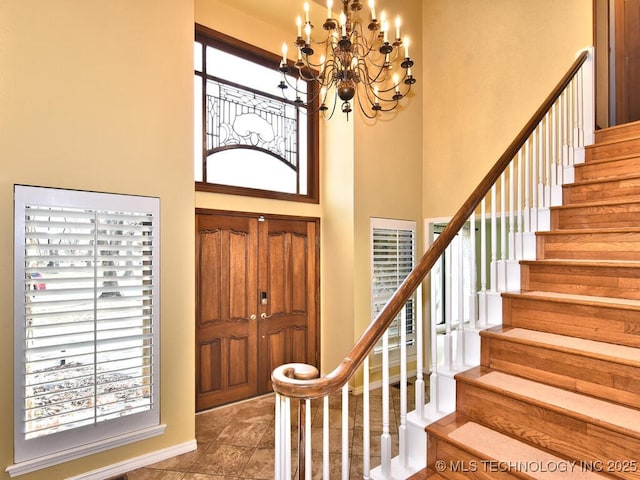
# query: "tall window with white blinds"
86,318
393,250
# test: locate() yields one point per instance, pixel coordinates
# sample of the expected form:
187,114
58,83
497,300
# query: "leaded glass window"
249,139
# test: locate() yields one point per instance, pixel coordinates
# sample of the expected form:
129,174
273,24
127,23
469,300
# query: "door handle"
264,316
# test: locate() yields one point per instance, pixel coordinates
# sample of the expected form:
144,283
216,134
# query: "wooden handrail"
293,380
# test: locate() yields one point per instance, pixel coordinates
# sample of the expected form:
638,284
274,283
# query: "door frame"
274,216
605,36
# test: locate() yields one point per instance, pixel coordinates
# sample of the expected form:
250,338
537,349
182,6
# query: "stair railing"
515,194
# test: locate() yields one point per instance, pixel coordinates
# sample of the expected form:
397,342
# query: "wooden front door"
256,302
627,55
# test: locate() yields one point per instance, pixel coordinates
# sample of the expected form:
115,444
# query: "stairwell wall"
488,65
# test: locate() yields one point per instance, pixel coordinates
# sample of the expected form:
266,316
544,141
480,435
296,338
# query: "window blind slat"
393,253
88,312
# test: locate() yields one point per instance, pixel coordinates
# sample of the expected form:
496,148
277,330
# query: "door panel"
288,332
226,284
627,54
240,259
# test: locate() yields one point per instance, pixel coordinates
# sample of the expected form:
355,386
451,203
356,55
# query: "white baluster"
520,231
554,145
458,290
562,124
503,233
366,427
483,264
473,282
433,382
325,436
279,440
547,158
543,198
589,116
419,386
307,440
345,432
535,204
512,209
494,242
286,413
448,347
527,190
385,437
580,107
574,119
402,428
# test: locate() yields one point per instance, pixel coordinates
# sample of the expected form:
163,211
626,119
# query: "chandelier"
360,61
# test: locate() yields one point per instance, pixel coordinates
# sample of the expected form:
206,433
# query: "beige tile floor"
237,441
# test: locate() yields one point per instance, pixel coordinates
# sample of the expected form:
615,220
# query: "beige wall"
98,96
90,91
488,66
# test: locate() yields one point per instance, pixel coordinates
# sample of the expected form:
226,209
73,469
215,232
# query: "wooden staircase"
557,394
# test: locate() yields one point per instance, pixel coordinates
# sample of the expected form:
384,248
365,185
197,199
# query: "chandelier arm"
366,42
333,107
301,74
380,76
364,111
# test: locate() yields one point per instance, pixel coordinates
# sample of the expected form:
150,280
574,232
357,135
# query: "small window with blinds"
86,319
393,250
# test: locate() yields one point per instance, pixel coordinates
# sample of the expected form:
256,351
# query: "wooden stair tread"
596,203
611,416
426,473
519,456
595,181
613,141
611,158
622,303
584,263
606,351
491,445
625,130
588,231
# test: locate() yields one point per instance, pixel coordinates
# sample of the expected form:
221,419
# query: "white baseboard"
120,468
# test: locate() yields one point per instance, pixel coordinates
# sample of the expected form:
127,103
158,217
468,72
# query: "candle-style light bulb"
306,12
307,32
322,60
406,47
373,9
284,54
395,82
329,7
398,27
385,28
299,24
343,22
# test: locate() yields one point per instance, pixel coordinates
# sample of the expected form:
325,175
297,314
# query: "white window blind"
393,258
86,318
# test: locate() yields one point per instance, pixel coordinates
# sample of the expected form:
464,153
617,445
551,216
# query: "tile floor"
237,441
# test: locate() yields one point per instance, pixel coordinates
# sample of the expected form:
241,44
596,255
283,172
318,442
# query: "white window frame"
399,226
43,451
